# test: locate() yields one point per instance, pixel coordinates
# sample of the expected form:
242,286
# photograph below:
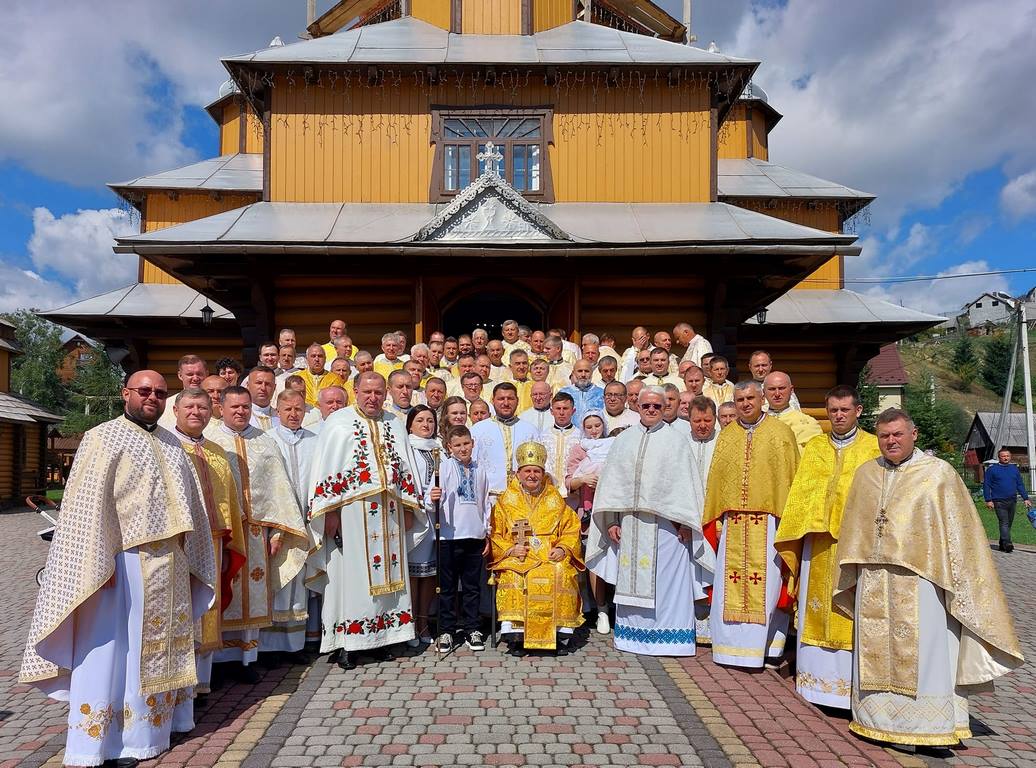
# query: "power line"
920,278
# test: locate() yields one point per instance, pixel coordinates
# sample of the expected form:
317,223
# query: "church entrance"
489,309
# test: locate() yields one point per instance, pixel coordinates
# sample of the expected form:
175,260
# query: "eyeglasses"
613,396
650,407
146,392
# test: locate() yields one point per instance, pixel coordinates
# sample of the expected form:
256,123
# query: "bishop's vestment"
931,621
657,576
535,596
751,473
122,655
362,468
810,524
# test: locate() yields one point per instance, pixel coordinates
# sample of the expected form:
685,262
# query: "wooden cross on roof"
521,530
490,156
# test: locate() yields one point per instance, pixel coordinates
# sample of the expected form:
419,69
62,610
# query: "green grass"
55,494
1021,532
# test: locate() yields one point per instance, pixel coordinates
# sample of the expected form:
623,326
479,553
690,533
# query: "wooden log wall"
7,461
164,354
617,304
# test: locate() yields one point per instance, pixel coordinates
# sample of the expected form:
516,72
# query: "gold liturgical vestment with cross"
536,594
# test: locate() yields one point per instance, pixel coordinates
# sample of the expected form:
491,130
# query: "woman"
421,429
454,414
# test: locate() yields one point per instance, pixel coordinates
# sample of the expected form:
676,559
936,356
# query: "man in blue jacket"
1000,488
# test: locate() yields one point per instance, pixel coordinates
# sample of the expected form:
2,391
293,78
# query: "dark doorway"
489,309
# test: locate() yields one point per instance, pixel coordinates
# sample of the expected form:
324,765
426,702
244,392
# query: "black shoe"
246,674
1008,547
1003,547
122,762
335,656
516,649
347,660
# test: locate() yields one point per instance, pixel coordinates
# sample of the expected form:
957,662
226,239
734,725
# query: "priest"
810,523
752,470
703,432
932,625
218,493
315,376
535,554
496,438
129,571
652,515
276,542
778,390
365,516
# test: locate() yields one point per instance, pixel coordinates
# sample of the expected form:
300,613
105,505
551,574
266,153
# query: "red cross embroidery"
755,578
734,577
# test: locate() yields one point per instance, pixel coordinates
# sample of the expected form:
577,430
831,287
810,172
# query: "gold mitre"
531,454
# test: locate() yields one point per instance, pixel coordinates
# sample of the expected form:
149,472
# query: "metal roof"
412,41
140,300
18,409
1014,434
827,306
752,177
586,223
228,173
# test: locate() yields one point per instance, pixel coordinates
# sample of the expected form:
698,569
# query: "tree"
996,363
964,363
34,372
868,398
94,394
941,424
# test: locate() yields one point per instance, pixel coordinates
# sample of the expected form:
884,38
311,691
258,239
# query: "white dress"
421,560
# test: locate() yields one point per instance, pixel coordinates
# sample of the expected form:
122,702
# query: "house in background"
889,376
80,352
991,308
980,444
23,432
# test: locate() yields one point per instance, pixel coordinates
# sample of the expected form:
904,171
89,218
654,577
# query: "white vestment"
625,419
701,455
540,420
495,445
363,469
657,576
297,449
698,346
263,418
745,644
559,444
823,675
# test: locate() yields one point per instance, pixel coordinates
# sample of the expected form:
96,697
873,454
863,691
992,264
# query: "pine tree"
964,363
996,363
941,424
94,394
869,399
34,372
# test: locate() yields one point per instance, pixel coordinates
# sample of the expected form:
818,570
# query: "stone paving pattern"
596,707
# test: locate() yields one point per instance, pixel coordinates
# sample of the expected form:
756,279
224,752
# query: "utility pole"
688,36
1027,383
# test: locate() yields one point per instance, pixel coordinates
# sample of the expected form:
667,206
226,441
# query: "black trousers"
1004,509
460,561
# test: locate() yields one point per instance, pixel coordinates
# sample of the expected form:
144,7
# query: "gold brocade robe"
223,507
535,593
802,424
814,509
317,382
919,517
268,507
749,478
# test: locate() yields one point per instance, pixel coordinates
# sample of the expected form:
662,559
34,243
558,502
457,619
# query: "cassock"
536,597
540,420
752,470
559,443
657,576
589,398
385,367
655,380
363,468
802,424
268,507
297,448
701,460
811,523
495,444
931,621
626,418
122,656
218,492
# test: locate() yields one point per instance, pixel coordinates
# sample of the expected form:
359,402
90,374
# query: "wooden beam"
456,16
526,17
267,136
242,127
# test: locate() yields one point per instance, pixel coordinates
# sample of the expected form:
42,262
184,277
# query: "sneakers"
445,643
603,625
476,641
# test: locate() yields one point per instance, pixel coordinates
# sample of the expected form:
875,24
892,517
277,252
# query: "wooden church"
442,164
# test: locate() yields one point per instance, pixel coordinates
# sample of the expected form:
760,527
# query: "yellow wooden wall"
435,12
34,458
732,137
491,17
161,210
371,306
7,468
547,14
230,129
364,144
616,304
163,354
813,367
822,216
760,139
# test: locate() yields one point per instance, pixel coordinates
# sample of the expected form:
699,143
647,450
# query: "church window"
520,136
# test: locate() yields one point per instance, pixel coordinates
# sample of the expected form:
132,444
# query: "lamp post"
760,316
206,314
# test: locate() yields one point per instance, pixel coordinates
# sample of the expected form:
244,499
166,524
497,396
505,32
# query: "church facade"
442,164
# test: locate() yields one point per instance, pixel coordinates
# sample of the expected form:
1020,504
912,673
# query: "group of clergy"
249,519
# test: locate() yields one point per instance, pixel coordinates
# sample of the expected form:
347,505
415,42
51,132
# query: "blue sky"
924,104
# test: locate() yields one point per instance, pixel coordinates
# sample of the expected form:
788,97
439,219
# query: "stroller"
49,510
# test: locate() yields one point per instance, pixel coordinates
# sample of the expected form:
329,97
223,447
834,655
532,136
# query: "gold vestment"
751,473
814,508
318,381
535,593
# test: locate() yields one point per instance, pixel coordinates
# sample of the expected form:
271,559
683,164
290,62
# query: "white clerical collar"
228,430
184,436
261,410
841,441
750,427
889,465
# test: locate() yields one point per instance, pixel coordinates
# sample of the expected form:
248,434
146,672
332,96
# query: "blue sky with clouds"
926,104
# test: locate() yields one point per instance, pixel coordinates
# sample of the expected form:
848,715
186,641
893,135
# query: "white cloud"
945,296
23,288
1018,197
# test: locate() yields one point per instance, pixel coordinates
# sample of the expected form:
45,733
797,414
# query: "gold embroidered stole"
383,530
744,591
887,630
253,595
167,629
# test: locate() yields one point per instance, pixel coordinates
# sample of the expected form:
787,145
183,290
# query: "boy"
463,497
717,388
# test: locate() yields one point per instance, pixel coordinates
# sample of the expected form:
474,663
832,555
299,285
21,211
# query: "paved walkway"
594,708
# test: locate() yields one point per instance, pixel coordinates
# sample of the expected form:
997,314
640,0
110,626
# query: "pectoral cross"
490,156
881,521
520,529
